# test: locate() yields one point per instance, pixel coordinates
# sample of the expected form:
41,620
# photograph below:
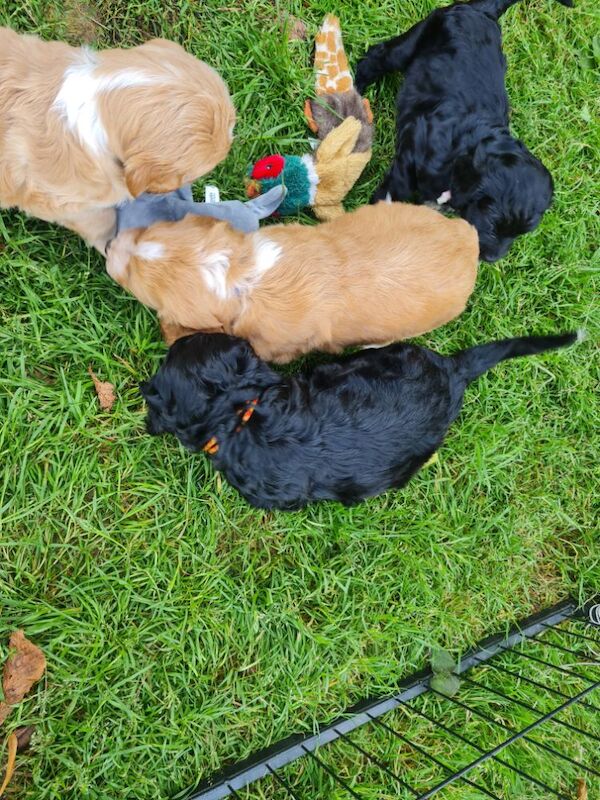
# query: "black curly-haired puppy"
453,143
347,430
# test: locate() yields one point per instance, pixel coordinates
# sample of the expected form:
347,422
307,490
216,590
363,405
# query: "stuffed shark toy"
147,209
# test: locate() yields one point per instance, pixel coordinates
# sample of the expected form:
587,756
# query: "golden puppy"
383,272
81,131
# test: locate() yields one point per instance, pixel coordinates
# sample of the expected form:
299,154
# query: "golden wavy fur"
82,130
380,273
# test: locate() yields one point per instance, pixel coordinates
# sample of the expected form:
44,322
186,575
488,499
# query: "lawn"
184,629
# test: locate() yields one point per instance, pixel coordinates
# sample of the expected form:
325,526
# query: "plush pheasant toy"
343,122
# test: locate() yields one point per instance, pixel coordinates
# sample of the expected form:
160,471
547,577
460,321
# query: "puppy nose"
489,256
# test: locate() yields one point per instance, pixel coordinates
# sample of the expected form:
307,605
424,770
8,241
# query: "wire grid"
419,742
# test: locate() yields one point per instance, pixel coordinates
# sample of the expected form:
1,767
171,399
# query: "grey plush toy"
150,208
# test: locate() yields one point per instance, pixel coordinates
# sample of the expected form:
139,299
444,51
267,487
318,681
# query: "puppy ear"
142,174
465,177
150,395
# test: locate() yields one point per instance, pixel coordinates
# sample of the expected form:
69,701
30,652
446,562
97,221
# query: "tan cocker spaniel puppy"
81,130
381,273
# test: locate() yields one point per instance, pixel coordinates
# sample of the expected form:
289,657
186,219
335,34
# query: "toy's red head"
269,167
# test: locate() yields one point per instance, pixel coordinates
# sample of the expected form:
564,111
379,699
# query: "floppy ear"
142,174
465,176
150,395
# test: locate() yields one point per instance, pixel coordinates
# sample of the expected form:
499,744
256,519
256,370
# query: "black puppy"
453,143
347,430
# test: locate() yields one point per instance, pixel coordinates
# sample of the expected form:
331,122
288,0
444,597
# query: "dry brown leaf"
296,29
104,390
24,737
21,670
10,762
582,792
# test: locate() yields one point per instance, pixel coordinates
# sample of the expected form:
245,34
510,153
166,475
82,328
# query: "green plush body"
296,179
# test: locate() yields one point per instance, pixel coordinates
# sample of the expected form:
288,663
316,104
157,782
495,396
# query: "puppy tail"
476,360
496,8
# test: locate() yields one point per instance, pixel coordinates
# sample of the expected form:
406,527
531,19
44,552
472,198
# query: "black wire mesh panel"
525,723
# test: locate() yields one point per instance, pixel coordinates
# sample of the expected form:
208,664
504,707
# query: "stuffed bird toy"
343,123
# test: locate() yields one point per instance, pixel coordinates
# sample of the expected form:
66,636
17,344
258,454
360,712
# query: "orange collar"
212,446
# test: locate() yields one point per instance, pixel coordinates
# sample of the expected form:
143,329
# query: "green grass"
183,628
434,724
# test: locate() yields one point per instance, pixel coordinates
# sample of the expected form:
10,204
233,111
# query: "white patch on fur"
267,253
388,198
151,251
444,197
214,271
312,177
581,334
77,96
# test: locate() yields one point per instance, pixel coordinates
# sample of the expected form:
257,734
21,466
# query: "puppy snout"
154,425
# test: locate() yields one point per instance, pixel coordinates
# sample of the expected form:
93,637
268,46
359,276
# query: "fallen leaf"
21,670
24,737
582,793
445,683
296,29
10,762
104,390
442,661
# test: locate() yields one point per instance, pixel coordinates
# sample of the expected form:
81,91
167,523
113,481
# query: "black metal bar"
499,747
434,759
283,783
593,639
288,750
329,771
379,763
556,692
535,724
528,707
569,672
581,656
487,753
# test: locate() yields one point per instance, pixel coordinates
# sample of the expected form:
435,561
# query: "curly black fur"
345,431
452,124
